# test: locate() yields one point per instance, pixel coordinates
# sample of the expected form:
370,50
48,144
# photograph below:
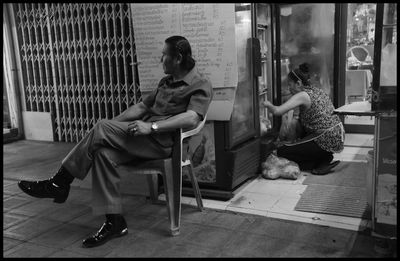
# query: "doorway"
360,33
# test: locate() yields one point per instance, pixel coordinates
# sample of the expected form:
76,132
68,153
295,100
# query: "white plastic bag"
275,167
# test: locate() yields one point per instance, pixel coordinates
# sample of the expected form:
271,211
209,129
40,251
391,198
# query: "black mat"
342,192
334,200
346,174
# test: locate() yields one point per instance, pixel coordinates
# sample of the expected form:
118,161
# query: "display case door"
384,88
305,32
244,123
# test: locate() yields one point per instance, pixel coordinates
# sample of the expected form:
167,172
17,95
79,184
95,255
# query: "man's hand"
138,127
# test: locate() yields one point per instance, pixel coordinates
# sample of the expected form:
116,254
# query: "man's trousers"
102,150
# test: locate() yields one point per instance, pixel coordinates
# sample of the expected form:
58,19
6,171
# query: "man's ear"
179,58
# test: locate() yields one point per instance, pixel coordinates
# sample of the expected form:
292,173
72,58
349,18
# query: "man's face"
169,62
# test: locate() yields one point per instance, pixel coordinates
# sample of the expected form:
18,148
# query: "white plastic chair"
171,170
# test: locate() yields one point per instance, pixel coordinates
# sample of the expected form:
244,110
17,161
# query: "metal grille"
77,63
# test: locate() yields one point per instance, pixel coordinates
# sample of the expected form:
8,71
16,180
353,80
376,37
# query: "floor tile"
160,231
193,215
212,205
79,196
321,236
211,237
286,203
303,250
10,220
62,236
14,202
37,207
291,216
229,220
139,246
7,182
188,250
88,220
362,246
258,201
269,187
12,189
257,212
138,223
252,245
68,212
151,209
27,250
30,228
68,254
9,243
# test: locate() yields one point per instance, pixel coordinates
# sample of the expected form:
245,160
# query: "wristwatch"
154,127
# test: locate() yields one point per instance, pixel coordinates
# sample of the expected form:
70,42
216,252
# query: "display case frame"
384,97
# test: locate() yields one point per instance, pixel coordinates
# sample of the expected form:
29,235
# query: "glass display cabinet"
384,211
301,33
227,153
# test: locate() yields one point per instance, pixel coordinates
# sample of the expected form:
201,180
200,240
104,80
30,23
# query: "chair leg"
153,187
173,188
196,188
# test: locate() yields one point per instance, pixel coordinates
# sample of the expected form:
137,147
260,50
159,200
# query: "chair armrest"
194,131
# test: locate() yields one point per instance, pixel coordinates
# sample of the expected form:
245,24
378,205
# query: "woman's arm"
134,112
300,98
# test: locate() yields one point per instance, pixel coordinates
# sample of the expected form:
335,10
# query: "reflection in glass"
242,115
307,35
388,75
360,51
265,80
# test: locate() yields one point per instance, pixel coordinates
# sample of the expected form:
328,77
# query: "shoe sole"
123,233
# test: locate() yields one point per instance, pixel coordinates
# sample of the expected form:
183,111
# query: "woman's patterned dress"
319,117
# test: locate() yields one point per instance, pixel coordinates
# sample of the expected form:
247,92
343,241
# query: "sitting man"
144,131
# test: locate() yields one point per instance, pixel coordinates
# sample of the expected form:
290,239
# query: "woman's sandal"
325,169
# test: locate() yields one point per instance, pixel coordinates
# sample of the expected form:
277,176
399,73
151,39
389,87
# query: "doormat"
345,174
334,200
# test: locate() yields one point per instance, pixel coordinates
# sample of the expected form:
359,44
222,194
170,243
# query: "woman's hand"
138,127
267,104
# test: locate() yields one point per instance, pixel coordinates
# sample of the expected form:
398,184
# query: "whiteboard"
209,28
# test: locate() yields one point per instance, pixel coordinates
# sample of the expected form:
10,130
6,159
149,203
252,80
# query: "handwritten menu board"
209,28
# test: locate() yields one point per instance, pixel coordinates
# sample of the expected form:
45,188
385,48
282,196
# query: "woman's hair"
180,45
301,73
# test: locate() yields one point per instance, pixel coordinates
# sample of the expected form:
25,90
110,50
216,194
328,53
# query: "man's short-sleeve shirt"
193,92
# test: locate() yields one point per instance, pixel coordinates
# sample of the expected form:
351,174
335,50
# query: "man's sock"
114,218
63,177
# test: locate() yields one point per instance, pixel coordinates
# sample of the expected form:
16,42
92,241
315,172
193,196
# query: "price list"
210,29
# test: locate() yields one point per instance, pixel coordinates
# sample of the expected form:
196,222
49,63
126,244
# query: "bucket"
370,176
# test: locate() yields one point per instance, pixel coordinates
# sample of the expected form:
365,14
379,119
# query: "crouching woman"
324,131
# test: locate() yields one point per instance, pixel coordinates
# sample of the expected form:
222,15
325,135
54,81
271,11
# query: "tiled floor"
278,198
39,228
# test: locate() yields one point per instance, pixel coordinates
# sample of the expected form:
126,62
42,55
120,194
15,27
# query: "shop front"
246,50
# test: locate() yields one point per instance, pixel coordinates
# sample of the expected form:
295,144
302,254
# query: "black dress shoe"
45,189
107,231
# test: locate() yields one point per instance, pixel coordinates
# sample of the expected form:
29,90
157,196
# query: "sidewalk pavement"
40,228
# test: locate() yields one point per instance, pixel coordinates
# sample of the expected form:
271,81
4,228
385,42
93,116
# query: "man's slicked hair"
180,45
